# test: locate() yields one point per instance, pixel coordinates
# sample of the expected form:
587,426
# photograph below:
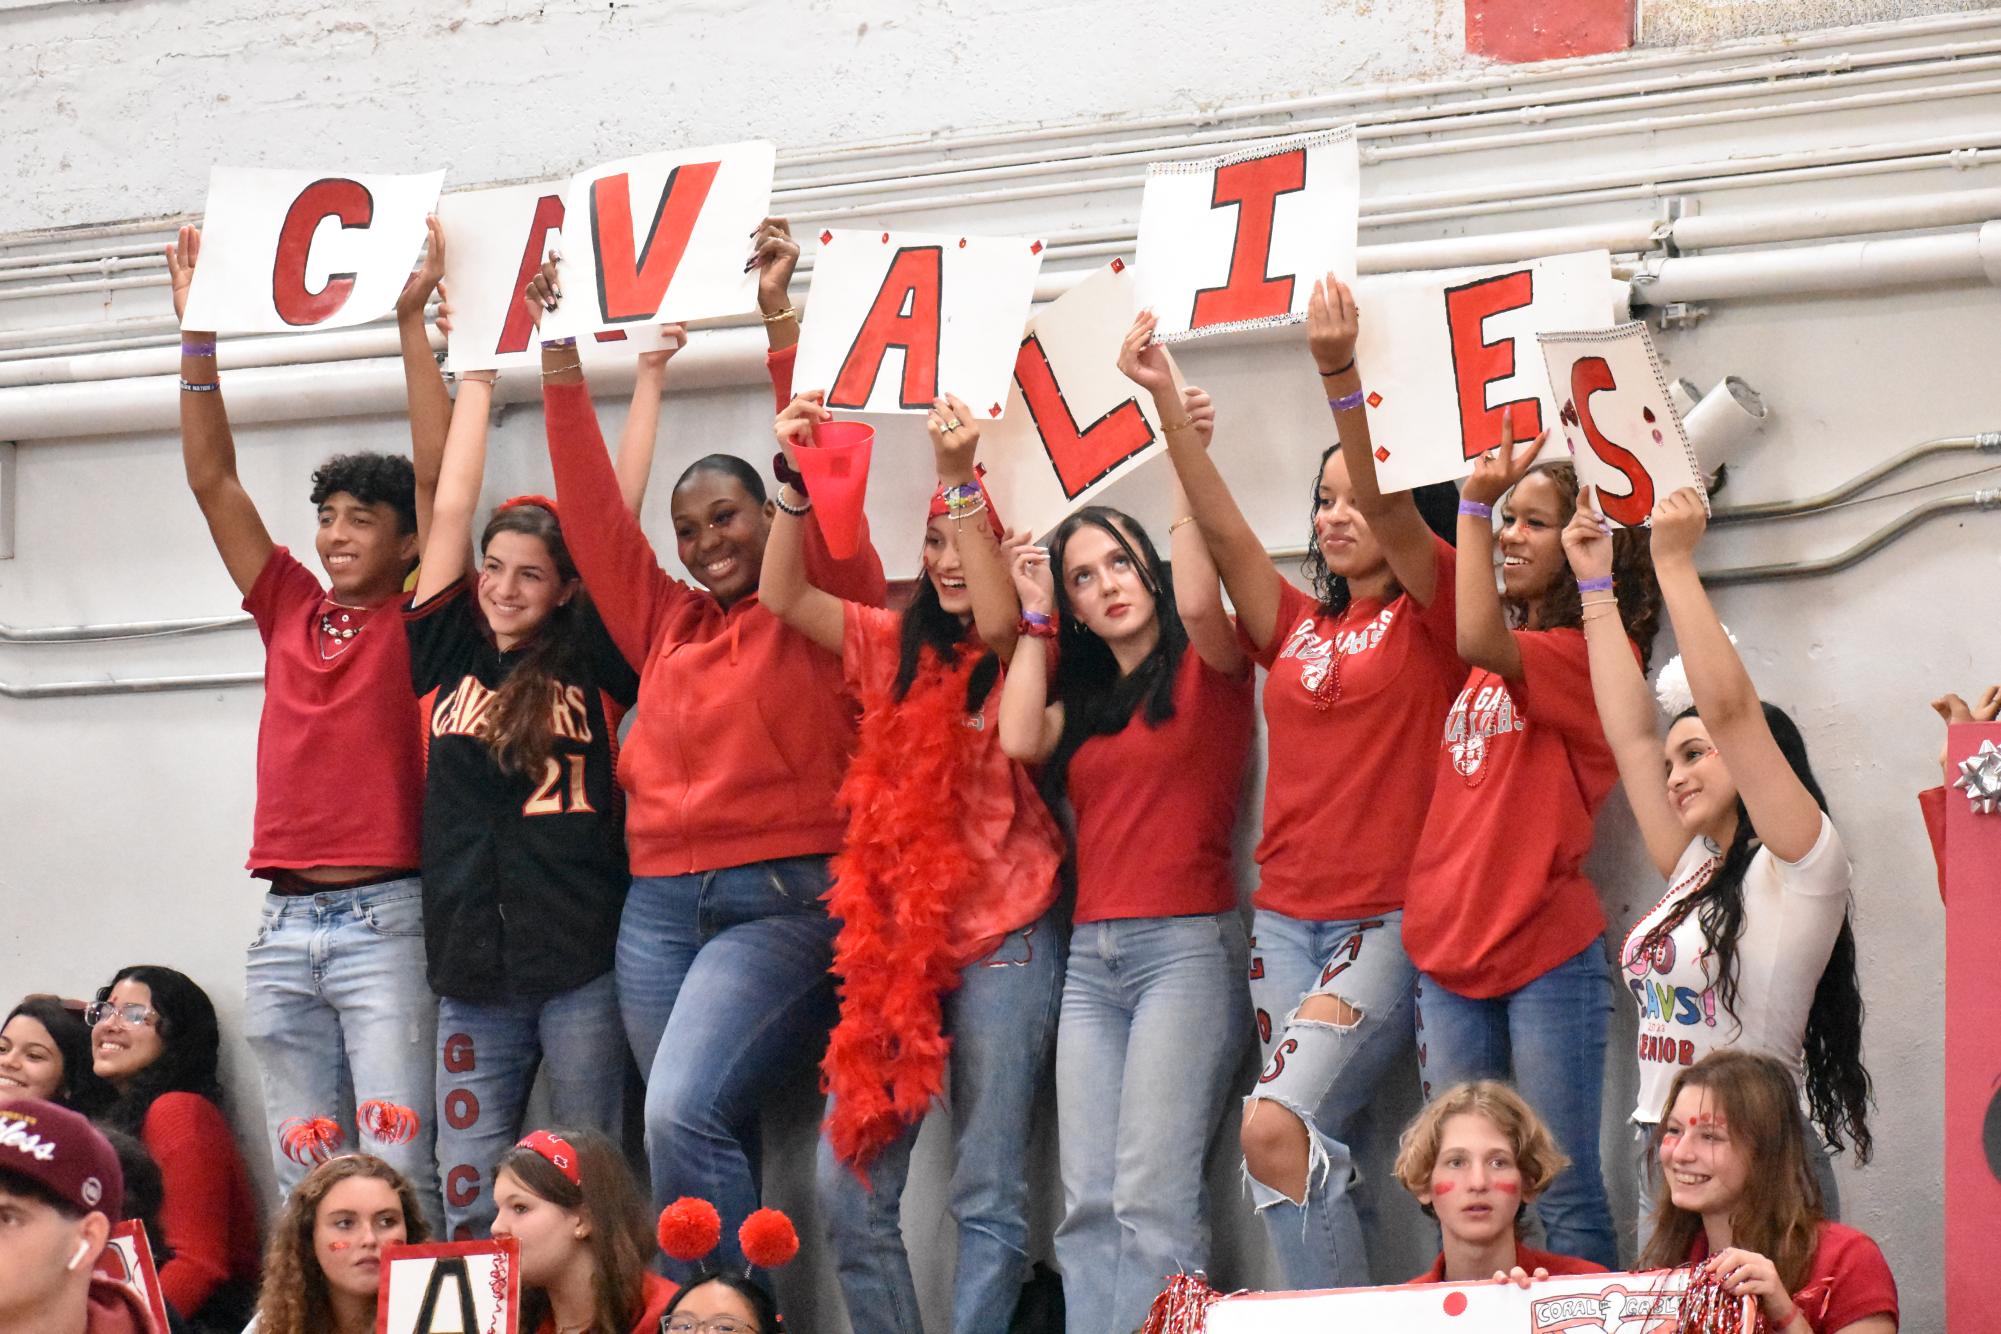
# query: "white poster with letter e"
662,237
127,1260
1445,354
1621,426
897,319
453,1287
495,241
1648,1303
1074,424
287,250
1236,242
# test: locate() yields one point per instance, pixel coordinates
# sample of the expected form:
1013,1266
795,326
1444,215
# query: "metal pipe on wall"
1986,442
1751,574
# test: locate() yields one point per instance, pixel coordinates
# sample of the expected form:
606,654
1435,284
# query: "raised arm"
782,584
1783,811
1240,557
1484,637
955,439
448,547
208,450
1198,593
423,382
1332,322
642,419
1030,726
1625,706
774,254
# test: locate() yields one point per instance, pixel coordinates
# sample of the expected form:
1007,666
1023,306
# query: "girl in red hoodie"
740,740
944,888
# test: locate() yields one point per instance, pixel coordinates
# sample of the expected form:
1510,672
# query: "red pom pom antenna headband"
690,1229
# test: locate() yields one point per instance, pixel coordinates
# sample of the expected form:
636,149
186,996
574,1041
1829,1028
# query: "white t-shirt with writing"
1792,914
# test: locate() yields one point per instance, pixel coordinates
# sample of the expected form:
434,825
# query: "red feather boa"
901,868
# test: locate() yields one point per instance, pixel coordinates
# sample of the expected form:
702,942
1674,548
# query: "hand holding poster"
1236,242
898,319
289,250
127,1259
662,237
1074,424
1587,1304
456,1287
1619,421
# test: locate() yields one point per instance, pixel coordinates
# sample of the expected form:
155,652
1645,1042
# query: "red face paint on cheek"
1444,1188
339,1245
1508,1187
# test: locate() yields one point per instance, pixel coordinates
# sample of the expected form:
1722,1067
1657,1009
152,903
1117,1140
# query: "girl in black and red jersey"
524,853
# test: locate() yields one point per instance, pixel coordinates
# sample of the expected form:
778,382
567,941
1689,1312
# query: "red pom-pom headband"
691,1228
309,1140
561,1154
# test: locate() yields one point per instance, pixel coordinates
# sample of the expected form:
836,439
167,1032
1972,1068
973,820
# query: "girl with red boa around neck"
943,889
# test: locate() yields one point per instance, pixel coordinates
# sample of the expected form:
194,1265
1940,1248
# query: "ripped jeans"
1325,1074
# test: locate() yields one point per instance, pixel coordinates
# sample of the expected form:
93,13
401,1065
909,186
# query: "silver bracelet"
797,512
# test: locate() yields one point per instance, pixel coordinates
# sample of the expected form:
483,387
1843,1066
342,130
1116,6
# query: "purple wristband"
1347,402
1038,618
1476,509
560,342
1602,584
198,349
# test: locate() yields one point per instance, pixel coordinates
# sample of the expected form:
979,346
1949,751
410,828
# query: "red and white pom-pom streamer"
1707,1309
387,1121
309,1140
1182,1308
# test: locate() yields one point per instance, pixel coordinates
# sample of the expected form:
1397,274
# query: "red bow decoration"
309,1140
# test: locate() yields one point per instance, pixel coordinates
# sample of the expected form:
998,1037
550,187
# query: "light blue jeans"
726,998
1156,1020
1325,1074
1548,1038
488,1056
337,1013
1001,1020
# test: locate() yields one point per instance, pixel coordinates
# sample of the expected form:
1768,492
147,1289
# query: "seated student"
324,1266
45,1053
1475,1158
156,1041
569,1200
60,1194
1740,1195
722,1303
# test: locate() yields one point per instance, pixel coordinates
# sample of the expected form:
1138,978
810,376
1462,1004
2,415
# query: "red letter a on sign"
331,198
548,218
905,315
1079,457
1588,376
1477,363
630,288
1254,187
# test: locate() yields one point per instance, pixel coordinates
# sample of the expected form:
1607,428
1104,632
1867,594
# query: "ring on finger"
954,424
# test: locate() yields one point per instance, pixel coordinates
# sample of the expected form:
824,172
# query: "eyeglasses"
715,1324
132,1012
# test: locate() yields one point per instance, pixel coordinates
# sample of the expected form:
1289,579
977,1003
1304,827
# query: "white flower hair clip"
1671,684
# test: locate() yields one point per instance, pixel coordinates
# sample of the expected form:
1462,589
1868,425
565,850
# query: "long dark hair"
1097,699
926,624
760,1302
190,1045
82,1089
1838,1088
1633,582
621,1243
518,722
1438,502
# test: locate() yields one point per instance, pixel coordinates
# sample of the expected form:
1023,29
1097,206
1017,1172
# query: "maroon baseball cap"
63,1152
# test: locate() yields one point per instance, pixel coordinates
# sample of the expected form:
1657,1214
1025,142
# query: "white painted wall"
126,817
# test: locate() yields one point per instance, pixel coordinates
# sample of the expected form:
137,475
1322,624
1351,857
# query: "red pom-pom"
690,1228
768,1238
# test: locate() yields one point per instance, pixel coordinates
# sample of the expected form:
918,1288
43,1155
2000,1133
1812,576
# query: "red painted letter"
330,198
905,315
461,1108
1588,376
548,218
1477,363
630,288
1254,187
1079,457
462,1185
458,1053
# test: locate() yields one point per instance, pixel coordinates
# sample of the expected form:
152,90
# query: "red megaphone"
835,467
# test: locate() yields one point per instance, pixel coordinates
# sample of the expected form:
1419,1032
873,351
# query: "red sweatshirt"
742,731
206,1208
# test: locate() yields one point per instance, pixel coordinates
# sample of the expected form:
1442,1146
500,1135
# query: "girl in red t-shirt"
943,888
1501,921
1360,673
1740,1197
1474,1158
1149,736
